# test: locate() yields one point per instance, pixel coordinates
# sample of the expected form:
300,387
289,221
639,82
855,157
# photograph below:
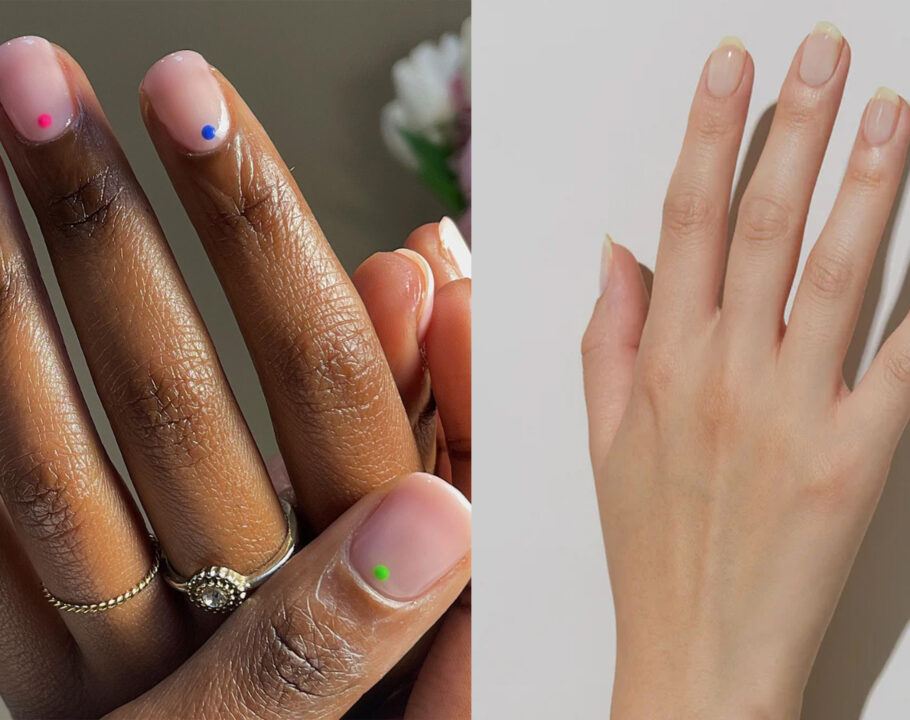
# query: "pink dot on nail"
44,120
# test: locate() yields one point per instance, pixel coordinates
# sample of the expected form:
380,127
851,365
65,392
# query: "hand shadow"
875,605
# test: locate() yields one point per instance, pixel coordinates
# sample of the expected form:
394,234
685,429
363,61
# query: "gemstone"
214,597
208,132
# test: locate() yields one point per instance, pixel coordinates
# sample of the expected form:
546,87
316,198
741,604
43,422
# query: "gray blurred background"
317,75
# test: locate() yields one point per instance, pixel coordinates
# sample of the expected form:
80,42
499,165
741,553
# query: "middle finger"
338,416
769,228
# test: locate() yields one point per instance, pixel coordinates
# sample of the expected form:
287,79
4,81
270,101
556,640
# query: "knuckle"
88,207
256,210
797,115
687,213
712,127
306,657
864,178
763,219
168,405
43,491
329,365
830,273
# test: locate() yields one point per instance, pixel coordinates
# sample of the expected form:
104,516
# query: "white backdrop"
579,113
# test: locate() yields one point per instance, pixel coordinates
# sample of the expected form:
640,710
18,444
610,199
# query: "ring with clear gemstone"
220,589
217,589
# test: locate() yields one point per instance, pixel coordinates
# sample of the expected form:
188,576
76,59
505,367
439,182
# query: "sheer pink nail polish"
881,116
419,532
187,98
725,67
821,51
427,289
33,89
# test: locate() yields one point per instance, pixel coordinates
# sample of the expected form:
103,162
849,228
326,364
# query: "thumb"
610,345
335,618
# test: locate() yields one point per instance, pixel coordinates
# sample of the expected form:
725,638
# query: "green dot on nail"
381,572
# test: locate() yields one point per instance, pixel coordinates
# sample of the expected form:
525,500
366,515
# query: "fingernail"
606,260
33,89
821,52
881,116
427,291
187,99
419,532
725,68
457,249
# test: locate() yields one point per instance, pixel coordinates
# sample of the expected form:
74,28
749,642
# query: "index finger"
338,417
690,258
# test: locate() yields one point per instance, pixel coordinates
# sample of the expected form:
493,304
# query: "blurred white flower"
427,127
425,102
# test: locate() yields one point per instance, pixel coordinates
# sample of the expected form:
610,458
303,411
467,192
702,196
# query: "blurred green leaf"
435,170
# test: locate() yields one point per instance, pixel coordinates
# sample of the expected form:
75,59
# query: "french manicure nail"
881,116
821,52
419,532
454,244
33,89
606,260
725,67
427,291
188,100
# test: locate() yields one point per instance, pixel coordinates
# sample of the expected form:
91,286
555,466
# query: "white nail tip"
454,242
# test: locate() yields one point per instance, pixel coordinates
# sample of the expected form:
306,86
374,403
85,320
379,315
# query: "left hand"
736,470
339,419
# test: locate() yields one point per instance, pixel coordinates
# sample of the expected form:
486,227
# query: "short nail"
459,254
33,89
427,291
821,52
606,260
881,116
725,68
419,532
187,98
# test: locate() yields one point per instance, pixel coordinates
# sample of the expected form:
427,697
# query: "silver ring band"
222,590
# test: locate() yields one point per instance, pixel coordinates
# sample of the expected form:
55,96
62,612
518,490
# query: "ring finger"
188,451
831,290
76,527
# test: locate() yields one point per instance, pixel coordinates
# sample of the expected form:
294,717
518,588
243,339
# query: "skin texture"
308,646
342,431
736,472
341,415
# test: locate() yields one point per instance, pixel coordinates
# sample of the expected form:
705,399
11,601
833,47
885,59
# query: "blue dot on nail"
208,132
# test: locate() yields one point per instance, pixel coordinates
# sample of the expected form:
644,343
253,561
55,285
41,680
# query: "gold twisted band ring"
220,589
99,607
